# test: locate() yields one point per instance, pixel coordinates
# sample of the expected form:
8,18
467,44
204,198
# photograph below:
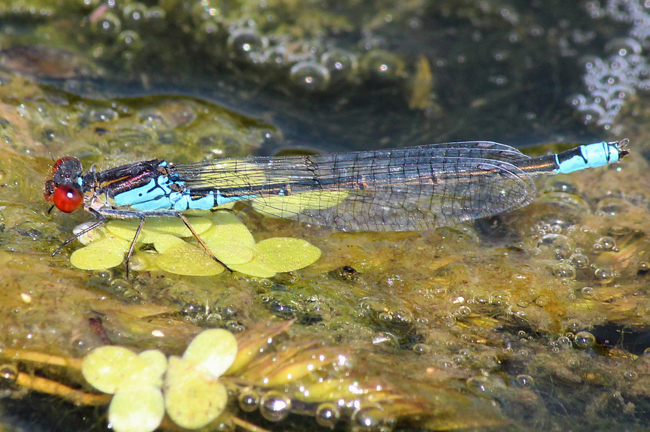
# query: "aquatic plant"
223,233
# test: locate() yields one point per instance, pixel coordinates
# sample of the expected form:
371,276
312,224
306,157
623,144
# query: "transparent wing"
407,189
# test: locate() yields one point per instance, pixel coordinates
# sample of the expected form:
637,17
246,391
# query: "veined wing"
407,189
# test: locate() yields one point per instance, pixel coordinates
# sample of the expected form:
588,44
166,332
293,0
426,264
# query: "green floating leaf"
229,239
192,399
188,260
106,367
255,268
284,254
102,254
155,362
126,228
110,368
165,242
137,409
213,351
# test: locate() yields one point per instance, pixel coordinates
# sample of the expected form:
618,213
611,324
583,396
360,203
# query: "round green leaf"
106,367
284,254
137,409
255,268
100,255
192,398
188,260
213,351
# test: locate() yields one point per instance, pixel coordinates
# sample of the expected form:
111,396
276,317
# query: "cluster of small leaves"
193,395
223,233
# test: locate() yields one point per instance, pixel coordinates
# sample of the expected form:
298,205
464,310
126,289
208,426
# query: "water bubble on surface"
587,291
604,275
203,11
275,406
340,64
246,44
327,414
277,57
559,244
525,380
608,243
382,66
564,270
623,46
8,374
134,14
584,340
248,400
630,375
422,348
371,419
108,25
128,39
310,76
579,260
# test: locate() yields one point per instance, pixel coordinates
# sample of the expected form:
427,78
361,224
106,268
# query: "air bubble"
275,406
248,400
579,260
340,64
577,100
584,340
155,17
591,62
630,375
382,66
368,419
277,57
108,25
327,415
134,14
8,374
246,44
203,11
130,40
559,244
564,342
604,275
564,270
421,348
587,291
310,76
525,381
608,243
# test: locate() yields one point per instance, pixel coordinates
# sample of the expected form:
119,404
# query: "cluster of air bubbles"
308,65
119,29
611,81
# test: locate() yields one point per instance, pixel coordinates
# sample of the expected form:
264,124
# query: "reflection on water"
535,319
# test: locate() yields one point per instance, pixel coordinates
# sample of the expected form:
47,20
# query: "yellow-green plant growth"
222,232
146,385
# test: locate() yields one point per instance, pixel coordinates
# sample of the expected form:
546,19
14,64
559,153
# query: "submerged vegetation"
536,319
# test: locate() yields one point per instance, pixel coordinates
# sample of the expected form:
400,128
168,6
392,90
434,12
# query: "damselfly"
407,189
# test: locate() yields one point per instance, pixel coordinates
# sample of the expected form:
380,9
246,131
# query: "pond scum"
535,320
219,376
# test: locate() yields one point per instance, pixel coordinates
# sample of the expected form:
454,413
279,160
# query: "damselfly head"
64,189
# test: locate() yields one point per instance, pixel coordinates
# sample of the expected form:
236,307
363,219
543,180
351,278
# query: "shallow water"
532,320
